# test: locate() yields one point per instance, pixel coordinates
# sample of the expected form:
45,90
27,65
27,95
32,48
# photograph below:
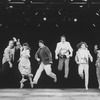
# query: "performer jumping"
25,65
97,64
82,59
8,56
64,51
44,56
8,63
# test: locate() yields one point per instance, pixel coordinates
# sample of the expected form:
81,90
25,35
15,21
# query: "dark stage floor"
49,94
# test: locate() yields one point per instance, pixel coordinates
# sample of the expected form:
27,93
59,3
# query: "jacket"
44,54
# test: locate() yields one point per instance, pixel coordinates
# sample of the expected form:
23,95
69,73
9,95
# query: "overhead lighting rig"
16,1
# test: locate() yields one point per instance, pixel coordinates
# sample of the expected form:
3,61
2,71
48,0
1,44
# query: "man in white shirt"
63,51
82,59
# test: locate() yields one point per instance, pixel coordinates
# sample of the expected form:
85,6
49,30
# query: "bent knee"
48,73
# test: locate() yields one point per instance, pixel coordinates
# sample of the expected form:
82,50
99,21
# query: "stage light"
59,12
57,25
94,25
75,19
38,25
69,19
44,18
84,0
0,25
10,6
16,1
31,2
97,14
80,6
36,13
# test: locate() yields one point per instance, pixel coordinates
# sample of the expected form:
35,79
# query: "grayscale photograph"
49,50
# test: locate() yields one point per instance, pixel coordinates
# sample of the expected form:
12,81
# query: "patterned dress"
24,63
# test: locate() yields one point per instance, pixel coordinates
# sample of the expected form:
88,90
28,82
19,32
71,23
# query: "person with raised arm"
24,65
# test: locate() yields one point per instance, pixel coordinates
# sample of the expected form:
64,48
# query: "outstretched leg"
38,73
49,72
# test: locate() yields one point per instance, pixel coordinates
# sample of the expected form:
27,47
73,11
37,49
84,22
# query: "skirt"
24,66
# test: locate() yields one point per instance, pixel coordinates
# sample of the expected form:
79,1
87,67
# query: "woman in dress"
24,65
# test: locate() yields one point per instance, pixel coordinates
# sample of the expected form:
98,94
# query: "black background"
24,25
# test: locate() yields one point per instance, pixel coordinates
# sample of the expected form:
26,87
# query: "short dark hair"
11,41
63,36
41,41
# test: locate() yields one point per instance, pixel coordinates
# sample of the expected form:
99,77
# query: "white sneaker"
31,84
86,88
55,79
21,85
